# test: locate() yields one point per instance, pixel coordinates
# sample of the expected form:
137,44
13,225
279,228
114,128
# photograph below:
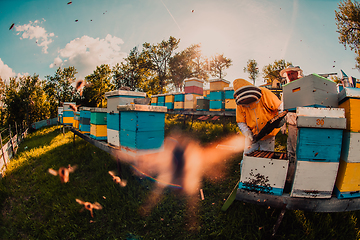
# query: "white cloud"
32,30
5,71
86,53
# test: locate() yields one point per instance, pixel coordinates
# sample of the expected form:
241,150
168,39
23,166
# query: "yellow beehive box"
230,104
352,114
169,98
206,92
218,84
190,105
154,99
98,132
348,178
68,120
178,105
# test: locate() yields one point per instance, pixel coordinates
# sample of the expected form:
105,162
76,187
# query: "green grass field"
35,205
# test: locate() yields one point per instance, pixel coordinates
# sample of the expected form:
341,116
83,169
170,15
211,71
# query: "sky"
87,33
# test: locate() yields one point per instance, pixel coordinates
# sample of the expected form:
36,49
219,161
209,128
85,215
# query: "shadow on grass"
37,206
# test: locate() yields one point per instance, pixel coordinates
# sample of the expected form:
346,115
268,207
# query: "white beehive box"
321,117
266,175
314,179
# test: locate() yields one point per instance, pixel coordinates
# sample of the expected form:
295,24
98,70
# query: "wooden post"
2,151
17,135
11,140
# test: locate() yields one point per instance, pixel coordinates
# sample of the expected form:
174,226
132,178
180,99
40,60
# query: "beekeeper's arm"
245,130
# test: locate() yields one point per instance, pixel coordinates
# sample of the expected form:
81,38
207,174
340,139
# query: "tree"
272,71
186,64
218,63
252,69
347,20
158,57
132,72
99,82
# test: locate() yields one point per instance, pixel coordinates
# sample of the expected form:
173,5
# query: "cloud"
5,71
86,53
32,30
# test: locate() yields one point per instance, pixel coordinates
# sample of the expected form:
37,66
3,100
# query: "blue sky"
46,34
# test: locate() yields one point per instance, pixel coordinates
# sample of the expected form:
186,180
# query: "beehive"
98,123
142,126
194,82
216,105
202,103
218,84
113,128
206,92
121,97
179,97
76,119
178,105
349,99
154,100
60,113
318,146
348,180
84,124
169,98
190,101
68,113
264,171
230,105
310,91
161,100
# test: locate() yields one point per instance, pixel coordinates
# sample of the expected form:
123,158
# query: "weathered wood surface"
294,203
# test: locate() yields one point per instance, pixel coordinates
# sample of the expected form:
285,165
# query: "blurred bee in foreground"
63,172
117,179
89,206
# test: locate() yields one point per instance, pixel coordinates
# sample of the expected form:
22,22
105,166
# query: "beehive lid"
348,93
228,88
98,110
124,93
85,108
320,112
176,93
219,80
143,108
193,79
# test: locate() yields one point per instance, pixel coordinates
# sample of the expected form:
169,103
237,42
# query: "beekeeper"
290,74
255,107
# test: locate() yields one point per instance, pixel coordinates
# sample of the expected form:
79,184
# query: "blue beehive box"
216,105
141,126
318,150
84,125
217,95
179,97
169,105
229,93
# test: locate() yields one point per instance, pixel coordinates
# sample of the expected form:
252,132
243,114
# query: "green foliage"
272,71
99,83
158,57
252,69
347,20
26,100
218,63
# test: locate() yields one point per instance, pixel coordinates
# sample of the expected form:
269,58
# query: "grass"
35,205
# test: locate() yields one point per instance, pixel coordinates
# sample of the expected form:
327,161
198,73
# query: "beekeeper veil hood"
245,92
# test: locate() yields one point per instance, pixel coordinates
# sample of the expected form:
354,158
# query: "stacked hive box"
202,103
169,101
310,91
217,94
217,101
206,92
98,127
76,119
348,179
142,126
193,85
264,171
318,149
230,104
160,100
68,113
190,101
179,99
60,113
154,100
115,98
84,124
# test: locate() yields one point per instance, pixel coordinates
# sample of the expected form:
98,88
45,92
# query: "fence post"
11,140
2,151
17,135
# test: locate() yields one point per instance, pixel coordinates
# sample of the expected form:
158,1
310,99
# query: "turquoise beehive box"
142,126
